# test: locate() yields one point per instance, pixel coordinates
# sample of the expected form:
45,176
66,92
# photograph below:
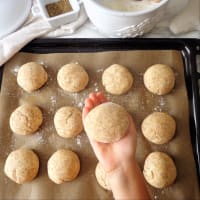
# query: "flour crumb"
157,109
78,141
162,101
53,100
42,63
80,104
99,70
155,197
15,70
96,87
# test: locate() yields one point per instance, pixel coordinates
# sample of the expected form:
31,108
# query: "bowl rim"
127,13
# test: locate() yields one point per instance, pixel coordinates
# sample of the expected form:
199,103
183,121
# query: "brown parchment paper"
139,102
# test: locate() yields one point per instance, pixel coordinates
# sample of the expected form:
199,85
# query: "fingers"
89,103
92,101
88,106
86,110
101,97
97,98
92,96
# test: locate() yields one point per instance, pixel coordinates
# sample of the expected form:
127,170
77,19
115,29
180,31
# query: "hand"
111,155
118,158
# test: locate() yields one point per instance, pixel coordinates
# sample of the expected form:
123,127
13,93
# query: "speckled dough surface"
68,122
117,79
72,77
159,79
31,76
26,119
102,177
21,166
159,127
159,170
107,122
63,165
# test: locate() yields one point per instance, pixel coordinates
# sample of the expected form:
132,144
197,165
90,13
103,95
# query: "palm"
111,154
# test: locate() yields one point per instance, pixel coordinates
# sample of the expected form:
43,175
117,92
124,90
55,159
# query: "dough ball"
159,127
102,177
68,122
31,76
159,79
159,170
117,79
72,77
26,119
21,166
63,165
107,122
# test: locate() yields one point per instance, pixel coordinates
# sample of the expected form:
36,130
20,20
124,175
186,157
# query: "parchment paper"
139,102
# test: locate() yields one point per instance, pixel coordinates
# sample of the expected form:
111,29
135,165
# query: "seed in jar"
58,8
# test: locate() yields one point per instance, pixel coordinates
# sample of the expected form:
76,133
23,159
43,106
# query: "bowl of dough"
125,18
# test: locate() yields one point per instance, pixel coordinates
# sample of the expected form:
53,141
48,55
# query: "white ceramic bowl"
12,15
59,19
122,23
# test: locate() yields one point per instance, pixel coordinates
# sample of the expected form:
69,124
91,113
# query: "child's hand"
111,155
118,158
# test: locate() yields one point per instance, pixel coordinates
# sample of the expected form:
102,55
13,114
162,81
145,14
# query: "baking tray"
189,49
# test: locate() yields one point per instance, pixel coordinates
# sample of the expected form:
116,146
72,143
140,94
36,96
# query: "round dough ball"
72,78
63,165
102,177
159,127
26,119
117,79
21,166
159,170
31,76
159,79
107,122
68,122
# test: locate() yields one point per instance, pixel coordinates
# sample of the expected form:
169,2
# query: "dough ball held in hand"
26,119
102,177
107,122
117,79
158,127
31,76
159,79
72,78
159,170
21,166
68,122
63,165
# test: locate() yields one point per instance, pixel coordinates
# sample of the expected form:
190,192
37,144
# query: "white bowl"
61,19
12,15
122,23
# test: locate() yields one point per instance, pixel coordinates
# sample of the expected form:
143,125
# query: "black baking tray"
190,49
